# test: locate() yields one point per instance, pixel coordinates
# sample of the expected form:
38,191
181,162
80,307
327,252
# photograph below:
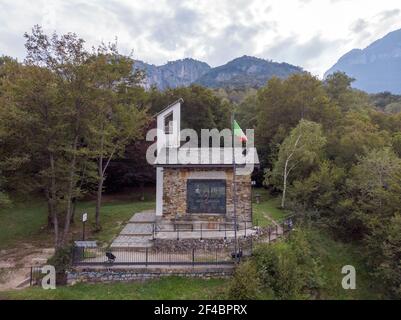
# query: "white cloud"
309,33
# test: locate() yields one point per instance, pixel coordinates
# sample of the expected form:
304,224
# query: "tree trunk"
52,202
73,207
284,185
99,203
69,192
49,210
57,241
49,217
287,171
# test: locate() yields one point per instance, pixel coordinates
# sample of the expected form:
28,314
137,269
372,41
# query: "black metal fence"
151,256
35,275
203,230
219,255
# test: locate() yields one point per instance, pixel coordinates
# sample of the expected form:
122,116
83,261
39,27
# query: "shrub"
61,260
288,268
246,283
278,270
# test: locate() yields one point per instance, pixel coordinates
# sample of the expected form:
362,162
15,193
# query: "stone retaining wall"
94,275
175,245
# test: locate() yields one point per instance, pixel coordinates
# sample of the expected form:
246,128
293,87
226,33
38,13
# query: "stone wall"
174,245
95,275
175,192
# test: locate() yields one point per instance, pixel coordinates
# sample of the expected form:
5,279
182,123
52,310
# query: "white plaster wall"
163,140
159,191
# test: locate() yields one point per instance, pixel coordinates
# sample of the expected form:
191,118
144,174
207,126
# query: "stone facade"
175,193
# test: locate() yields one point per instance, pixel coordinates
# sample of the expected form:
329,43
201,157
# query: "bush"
61,260
384,255
278,270
288,268
246,283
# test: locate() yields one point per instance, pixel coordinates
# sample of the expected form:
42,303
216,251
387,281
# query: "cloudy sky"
310,33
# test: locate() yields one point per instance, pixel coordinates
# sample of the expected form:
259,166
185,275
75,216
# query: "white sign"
84,217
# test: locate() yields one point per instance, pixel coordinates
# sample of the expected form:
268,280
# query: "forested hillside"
73,123
334,158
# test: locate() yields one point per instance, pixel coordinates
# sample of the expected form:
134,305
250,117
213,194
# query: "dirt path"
15,264
279,228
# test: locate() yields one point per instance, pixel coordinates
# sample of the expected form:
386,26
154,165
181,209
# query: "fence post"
201,237
30,280
193,257
153,231
178,234
216,255
146,257
245,229
276,231
225,231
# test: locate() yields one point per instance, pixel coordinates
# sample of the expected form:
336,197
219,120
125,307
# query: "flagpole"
234,192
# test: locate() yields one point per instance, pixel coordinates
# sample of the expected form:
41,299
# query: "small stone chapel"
200,189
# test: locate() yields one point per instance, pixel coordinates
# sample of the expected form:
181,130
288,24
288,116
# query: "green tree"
66,58
396,143
283,103
354,136
389,267
118,120
338,87
31,132
321,191
298,152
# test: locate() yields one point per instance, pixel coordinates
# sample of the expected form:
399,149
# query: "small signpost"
84,219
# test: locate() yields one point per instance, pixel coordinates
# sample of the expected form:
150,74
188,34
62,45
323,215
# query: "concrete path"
137,233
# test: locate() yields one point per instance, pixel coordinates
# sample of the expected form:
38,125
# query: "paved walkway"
138,232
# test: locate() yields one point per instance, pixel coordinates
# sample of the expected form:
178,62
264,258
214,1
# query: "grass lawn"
114,216
268,206
163,289
26,222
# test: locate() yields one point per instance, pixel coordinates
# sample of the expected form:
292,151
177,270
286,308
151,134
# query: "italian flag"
239,133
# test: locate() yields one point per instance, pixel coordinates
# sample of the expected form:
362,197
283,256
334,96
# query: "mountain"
245,71
174,74
375,68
